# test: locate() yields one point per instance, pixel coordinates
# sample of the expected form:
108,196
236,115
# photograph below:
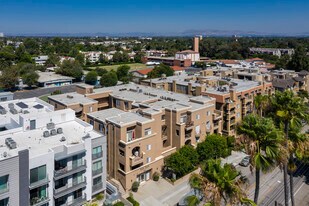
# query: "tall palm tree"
219,184
260,103
290,111
263,143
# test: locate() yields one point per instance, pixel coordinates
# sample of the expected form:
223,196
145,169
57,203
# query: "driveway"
161,193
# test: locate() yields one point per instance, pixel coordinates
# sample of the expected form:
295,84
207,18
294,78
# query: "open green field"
134,66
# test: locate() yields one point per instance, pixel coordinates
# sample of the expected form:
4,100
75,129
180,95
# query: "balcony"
164,136
97,172
97,187
69,170
136,160
39,183
216,125
37,201
69,187
188,135
189,125
77,202
97,156
217,115
232,121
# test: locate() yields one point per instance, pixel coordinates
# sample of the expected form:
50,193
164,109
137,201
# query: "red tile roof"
254,59
144,71
177,68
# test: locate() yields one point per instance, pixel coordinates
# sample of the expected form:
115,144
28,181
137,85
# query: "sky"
153,16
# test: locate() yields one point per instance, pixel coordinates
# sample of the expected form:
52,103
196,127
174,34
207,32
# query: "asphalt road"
277,194
42,91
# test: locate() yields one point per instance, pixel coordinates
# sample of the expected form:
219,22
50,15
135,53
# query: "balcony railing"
188,135
136,160
37,201
97,156
189,125
96,172
97,187
76,202
70,187
69,170
39,183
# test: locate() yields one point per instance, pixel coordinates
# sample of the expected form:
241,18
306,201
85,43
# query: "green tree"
179,164
290,111
30,78
53,60
123,73
32,46
102,59
300,60
91,78
159,70
109,79
261,102
117,57
220,184
101,71
80,58
192,200
190,153
9,78
215,146
72,69
263,143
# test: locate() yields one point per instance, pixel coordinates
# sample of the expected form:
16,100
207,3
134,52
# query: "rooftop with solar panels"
34,125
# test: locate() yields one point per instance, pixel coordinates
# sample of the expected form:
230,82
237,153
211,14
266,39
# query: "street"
42,91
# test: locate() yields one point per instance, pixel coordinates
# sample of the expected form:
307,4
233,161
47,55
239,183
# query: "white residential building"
48,157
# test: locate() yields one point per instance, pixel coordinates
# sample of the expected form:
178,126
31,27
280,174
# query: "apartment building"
143,125
234,97
48,157
272,51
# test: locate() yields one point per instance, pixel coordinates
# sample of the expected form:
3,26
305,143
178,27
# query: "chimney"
196,40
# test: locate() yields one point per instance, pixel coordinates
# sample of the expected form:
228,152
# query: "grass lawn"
44,98
134,66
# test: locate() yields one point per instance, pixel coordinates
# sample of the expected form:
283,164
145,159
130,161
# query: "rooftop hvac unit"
13,111
10,143
53,132
50,125
62,139
69,96
26,112
2,111
5,154
11,105
46,134
59,130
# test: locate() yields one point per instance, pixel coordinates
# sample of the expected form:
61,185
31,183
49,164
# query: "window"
56,105
126,105
183,118
148,147
208,125
4,202
238,106
130,136
101,127
121,166
97,180
197,129
96,152
163,117
90,109
197,116
177,132
32,124
238,114
91,122
148,159
121,152
117,103
77,178
96,167
4,180
3,99
37,193
208,113
37,174
147,131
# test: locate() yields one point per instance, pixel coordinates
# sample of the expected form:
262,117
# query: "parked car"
245,161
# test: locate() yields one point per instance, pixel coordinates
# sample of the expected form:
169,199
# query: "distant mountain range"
193,32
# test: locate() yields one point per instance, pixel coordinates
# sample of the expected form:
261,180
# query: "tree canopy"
109,79
71,68
159,70
91,78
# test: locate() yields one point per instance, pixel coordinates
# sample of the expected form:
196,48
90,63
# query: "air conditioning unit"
59,130
53,132
46,134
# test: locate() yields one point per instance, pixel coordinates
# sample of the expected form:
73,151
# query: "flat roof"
72,98
52,77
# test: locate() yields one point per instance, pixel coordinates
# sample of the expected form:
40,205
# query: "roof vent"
46,134
62,139
13,111
5,154
50,125
59,130
26,112
11,105
70,96
53,132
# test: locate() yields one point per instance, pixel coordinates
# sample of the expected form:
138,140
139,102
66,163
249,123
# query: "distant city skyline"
154,17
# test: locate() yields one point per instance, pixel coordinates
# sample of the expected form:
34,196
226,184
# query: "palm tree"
219,183
260,103
263,143
290,111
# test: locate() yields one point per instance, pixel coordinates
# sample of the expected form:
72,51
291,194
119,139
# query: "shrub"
119,204
56,92
156,177
99,196
135,186
91,78
132,200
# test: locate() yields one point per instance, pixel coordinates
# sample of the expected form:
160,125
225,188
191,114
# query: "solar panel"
38,106
22,105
